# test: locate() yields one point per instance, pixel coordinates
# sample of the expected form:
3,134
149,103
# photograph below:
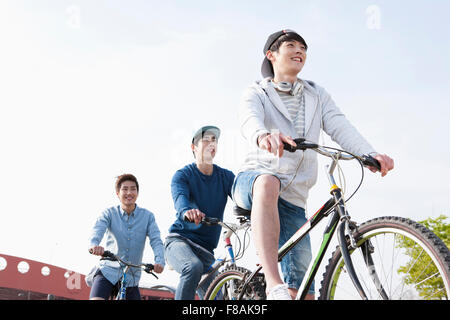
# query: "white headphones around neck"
292,89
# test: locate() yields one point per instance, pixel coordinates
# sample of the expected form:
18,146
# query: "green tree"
420,268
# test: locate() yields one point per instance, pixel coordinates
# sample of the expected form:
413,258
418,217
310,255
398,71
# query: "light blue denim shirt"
125,237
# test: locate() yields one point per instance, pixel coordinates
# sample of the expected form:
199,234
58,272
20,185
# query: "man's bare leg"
266,226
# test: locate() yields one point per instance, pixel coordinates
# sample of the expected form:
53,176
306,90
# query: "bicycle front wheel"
228,284
395,258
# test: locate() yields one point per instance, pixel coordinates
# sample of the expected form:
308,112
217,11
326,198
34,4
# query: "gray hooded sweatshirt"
262,111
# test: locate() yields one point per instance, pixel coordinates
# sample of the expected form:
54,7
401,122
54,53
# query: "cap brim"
266,68
212,129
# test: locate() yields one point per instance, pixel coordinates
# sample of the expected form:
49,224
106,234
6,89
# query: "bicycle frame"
122,294
229,256
336,207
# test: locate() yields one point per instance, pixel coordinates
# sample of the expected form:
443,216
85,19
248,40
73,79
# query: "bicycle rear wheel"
395,258
228,284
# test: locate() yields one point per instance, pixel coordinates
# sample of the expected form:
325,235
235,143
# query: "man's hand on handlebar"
158,268
274,142
380,162
194,215
97,250
386,164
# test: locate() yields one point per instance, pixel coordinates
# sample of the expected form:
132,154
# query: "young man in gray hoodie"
274,184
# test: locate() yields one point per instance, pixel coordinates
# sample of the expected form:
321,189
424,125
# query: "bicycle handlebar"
147,267
210,221
303,145
206,221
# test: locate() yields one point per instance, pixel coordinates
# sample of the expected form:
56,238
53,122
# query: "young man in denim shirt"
199,189
127,226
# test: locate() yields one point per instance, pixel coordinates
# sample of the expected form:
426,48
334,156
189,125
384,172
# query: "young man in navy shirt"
199,189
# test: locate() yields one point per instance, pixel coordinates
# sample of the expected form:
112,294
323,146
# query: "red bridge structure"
24,279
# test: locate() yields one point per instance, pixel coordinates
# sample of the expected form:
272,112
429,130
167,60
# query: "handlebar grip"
206,220
149,267
210,221
301,145
371,162
290,148
107,254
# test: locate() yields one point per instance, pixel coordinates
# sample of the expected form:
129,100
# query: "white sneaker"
279,292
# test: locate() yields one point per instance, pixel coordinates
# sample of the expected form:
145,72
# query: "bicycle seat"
241,212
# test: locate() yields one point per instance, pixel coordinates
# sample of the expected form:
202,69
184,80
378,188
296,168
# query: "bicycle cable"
245,246
360,163
339,169
237,237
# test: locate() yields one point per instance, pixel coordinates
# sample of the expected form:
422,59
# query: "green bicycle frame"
328,208
334,206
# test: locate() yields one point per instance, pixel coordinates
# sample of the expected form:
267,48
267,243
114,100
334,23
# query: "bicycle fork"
343,227
367,248
123,289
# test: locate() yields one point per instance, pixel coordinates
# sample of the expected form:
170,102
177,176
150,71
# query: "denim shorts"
102,288
295,263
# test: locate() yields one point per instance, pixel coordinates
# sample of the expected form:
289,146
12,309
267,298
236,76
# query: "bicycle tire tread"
239,271
434,242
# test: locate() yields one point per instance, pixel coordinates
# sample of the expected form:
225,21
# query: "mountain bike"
228,259
119,291
384,258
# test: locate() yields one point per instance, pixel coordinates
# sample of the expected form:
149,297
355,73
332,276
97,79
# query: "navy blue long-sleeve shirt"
192,189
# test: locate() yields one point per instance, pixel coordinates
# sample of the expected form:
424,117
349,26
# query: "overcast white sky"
93,89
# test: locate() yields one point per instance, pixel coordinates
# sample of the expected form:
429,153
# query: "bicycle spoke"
362,278
383,272
433,294
404,265
365,267
407,272
344,287
417,278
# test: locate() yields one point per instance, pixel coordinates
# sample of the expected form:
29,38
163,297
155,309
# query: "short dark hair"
126,177
287,37
196,139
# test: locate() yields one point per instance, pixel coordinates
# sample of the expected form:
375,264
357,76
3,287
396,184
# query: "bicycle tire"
433,254
229,283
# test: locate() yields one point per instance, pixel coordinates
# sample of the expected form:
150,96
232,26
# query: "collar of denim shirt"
124,213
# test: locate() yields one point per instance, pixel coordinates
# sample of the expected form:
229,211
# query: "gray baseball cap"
201,131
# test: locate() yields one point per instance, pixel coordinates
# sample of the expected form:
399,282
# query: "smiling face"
289,59
128,193
205,148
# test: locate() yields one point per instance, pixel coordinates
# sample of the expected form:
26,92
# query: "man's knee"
267,185
192,269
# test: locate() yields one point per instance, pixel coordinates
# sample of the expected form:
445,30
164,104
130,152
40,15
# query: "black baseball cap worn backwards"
266,67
